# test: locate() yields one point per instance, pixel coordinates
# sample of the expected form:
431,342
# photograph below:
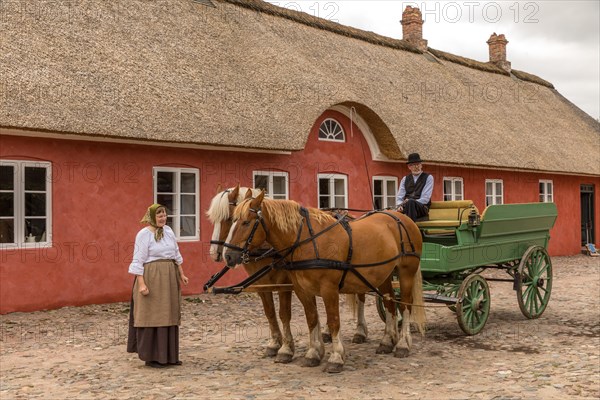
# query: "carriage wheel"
451,291
473,306
534,283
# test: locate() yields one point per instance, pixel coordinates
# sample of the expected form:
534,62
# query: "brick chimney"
497,45
412,27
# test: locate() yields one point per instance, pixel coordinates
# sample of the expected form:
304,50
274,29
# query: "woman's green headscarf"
150,218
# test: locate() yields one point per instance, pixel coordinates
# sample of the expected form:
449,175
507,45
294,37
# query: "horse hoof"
283,358
311,362
401,353
358,338
272,351
326,337
334,368
384,349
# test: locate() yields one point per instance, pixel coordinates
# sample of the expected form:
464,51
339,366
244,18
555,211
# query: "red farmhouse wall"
101,190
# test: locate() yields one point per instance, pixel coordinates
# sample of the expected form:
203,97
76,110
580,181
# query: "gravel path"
79,352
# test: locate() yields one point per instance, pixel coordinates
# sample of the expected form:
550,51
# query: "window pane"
35,178
331,130
166,200
447,187
165,182
541,198
391,188
188,226
188,183
339,187
324,186
261,182
35,204
7,230
549,186
498,188
489,188
339,202
188,204
279,185
447,197
323,201
377,203
542,188
171,225
7,204
391,201
378,188
7,179
35,227
458,187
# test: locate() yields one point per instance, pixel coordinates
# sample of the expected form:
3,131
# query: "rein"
259,255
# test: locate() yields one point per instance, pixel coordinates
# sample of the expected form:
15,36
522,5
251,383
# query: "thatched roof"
249,74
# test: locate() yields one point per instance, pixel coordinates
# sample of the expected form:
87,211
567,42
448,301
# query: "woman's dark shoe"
176,363
155,364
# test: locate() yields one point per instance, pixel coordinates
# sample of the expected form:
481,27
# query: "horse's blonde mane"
219,205
285,214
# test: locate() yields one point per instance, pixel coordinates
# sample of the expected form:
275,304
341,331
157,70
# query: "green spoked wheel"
534,283
450,291
473,306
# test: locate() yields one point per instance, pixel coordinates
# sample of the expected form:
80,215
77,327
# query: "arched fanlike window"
331,130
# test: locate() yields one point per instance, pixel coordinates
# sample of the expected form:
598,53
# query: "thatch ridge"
467,62
526,76
321,23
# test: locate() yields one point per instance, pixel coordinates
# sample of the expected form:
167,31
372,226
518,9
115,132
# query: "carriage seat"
445,216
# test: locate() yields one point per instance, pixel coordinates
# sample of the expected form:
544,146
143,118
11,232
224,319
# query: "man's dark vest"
414,189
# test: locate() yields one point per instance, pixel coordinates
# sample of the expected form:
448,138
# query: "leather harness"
318,262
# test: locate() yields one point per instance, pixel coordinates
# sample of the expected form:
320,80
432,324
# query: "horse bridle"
245,250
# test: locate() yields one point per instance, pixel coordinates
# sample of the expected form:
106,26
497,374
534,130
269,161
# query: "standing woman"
155,312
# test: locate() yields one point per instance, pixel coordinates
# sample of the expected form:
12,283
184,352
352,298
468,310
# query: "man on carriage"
414,196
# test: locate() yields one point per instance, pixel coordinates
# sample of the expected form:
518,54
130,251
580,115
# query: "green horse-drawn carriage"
459,244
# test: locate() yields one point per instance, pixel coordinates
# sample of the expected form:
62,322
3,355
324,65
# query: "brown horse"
281,344
390,240
219,213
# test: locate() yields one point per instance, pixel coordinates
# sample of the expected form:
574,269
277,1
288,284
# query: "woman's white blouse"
147,249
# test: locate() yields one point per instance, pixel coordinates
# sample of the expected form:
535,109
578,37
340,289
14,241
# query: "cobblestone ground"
80,352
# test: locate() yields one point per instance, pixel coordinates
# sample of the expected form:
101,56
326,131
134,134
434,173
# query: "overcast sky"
559,41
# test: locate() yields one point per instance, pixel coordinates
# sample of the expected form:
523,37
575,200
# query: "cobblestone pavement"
79,352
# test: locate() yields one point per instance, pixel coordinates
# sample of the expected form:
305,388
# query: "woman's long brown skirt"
154,319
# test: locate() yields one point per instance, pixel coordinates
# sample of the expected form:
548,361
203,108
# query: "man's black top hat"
414,158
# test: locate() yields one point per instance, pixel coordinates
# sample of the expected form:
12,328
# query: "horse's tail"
418,309
351,300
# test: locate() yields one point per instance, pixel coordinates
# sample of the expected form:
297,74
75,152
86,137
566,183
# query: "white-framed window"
494,191
453,189
275,183
178,190
331,130
333,191
385,189
25,203
546,191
